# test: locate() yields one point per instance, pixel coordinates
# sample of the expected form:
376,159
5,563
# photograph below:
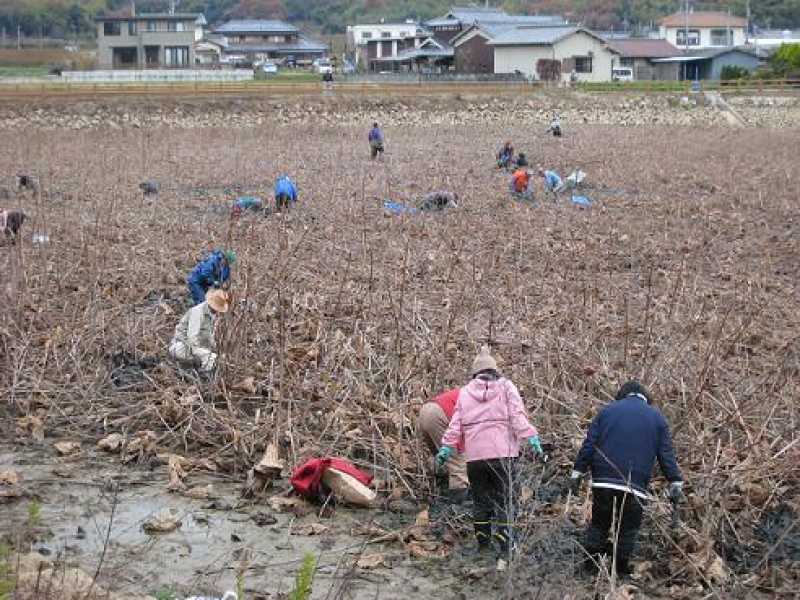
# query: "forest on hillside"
70,18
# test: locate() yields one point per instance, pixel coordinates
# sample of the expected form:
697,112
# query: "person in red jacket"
434,417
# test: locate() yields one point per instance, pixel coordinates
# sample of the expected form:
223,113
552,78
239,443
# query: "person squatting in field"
11,221
555,126
376,141
212,272
521,184
552,182
440,200
622,444
285,192
434,418
193,342
505,156
489,421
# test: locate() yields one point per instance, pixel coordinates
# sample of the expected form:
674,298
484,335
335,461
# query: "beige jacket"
194,337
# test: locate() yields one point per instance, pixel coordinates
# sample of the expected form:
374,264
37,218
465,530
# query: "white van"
622,74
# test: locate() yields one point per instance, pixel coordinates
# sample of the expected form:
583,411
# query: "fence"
419,78
158,76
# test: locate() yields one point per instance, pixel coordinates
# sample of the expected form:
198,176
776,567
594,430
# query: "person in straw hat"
193,341
489,421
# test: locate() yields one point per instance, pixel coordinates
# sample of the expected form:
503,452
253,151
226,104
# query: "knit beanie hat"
483,361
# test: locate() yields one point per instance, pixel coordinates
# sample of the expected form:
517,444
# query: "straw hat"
483,361
218,300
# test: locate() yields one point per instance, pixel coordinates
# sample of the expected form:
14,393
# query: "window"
403,34
386,34
174,26
583,64
365,35
151,26
626,61
131,27
720,37
693,38
176,56
112,28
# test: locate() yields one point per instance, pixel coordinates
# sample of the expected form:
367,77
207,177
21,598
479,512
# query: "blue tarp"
581,201
398,208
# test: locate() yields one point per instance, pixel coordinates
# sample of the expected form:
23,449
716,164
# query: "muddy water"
89,500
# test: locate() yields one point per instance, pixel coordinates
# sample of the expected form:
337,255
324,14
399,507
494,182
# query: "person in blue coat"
213,271
285,192
623,443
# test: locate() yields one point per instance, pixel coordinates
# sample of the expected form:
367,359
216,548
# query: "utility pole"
19,37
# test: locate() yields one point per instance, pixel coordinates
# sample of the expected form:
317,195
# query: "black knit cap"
633,387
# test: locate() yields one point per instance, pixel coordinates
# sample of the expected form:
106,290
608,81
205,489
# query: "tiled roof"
524,36
644,48
255,26
703,19
126,16
468,16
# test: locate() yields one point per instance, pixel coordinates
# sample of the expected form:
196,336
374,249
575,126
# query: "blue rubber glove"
536,444
443,456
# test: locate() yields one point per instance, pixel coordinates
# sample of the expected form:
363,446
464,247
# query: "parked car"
270,68
323,66
622,74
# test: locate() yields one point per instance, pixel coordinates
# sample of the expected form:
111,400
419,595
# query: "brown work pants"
431,425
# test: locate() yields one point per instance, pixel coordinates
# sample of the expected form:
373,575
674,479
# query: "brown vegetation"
684,274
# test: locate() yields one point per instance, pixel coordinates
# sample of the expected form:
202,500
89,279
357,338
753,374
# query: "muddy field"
683,273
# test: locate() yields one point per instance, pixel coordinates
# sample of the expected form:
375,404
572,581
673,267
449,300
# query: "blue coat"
623,443
551,180
210,271
286,187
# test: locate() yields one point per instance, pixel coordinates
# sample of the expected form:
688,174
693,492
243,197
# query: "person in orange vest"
434,417
521,184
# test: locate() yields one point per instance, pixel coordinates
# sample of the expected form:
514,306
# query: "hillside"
67,17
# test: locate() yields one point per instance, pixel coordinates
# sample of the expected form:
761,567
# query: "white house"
389,39
570,49
700,29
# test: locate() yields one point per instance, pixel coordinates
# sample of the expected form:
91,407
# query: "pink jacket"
489,419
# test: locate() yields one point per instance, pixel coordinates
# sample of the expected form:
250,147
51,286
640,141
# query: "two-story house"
700,29
148,40
366,43
259,40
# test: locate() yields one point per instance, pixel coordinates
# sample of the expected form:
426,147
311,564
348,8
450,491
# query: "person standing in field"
623,442
212,272
285,192
505,156
193,342
434,418
376,142
489,421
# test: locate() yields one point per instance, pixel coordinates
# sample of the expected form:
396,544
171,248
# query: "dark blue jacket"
623,443
210,271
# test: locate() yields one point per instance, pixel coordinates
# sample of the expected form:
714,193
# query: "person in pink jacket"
489,422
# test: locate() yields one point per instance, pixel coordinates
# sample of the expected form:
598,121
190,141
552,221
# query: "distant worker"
375,142
522,160
505,156
521,184
212,272
193,342
434,417
624,441
555,126
285,192
490,421
10,223
440,200
552,182
150,189
243,203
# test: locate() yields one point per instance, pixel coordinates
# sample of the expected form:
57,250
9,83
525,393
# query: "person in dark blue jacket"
622,445
213,271
285,192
